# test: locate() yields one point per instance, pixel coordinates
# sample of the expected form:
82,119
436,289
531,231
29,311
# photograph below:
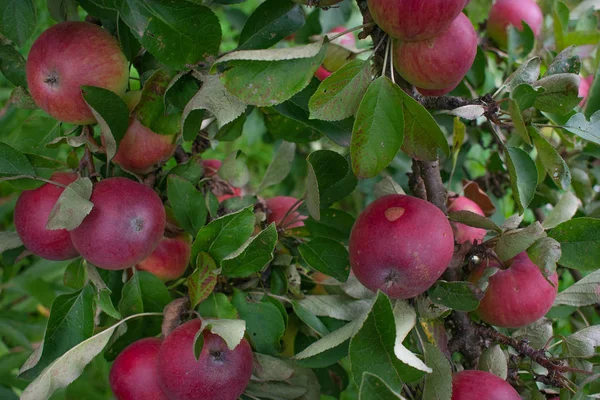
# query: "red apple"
400,245
141,151
31,215
513,12
584,88
347,40
211,168
170,258
517,296
134,374
414,20
440,62
479,385
464,233
322,73
219,373
282,213
124,227
70,55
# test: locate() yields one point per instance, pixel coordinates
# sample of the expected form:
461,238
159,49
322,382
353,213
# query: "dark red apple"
584,88
282,213
479,385
70,55
439,62
211,168
134,373
142,151
513,12
31,215
400,245
464,233
219,373
414,20
170,258
516,296
124,227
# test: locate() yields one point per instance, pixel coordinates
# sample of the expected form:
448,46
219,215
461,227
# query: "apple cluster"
152,369
434,43
401,245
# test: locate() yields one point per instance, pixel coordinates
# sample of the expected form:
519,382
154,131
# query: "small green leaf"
579,240
438,384
469,218
9,241
203,280
335,306
12,65
523,176
565,62
588,130
561,93
234,170
75,275
553,163
563,211
528,72
217,305
387,186
270,22
334,177
334,224
545,253
280,165
327,256
105,303
460,296
230,330
13,162
581,293
252,256
187,204
378,129
373,387
512,243
72,206
493,360
151,110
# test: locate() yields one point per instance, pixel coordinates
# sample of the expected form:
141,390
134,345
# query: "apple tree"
299,199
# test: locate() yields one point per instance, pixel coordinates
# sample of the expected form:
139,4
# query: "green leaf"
545,253
387,186
493,360
63,10
560,95
405,319
72,206
459,296
265,78
563,211
582,293
143,293
579,125
537,334
9,241
71,322
374,388
334,224
333,175
523,176
520,42
565,62
112,115
527,73
13,162
512,243
12,65
470,218
264,323
17,20
422,135
339,96
234,170
279,167
553,163
213,97
524,96
253,255
67,368
105,303
224,235
327,256
217,305
230,330
310,319
335,306
378,129
579,240
187,204
151,111
518,122
178,33
372,348
438,384
272,21
203,280
333,343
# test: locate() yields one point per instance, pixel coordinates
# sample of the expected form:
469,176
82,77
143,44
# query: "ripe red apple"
584,88
70,55
478,385
322,73
464,233
414,20
170,258
134,374
219,373
400,245
124,227
31,215
439,62
517,296
211,168
513,12
282,213
141,151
